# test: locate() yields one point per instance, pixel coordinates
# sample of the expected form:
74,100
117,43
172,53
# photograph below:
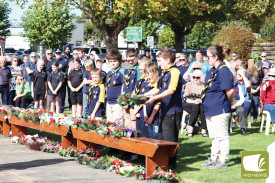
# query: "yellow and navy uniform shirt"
114,83
96,94
172,103
215,101
131,76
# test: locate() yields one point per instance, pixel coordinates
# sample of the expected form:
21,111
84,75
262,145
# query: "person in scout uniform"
114,83
131,76
217,97
169,92
96,97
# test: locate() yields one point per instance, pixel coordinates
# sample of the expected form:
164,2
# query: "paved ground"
20,164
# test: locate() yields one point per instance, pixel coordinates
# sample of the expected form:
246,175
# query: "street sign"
150,41
134,34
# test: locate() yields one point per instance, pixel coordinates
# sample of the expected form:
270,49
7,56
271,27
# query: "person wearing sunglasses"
263,59
193,103
235,60
23,92
267,95
15,71
31,64
188,74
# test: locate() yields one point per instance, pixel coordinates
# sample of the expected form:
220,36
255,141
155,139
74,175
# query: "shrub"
239,39
268,31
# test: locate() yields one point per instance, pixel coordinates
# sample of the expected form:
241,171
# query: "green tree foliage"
202,35
92,33
268,31
4,19
149,28
237,38
48,23
167,37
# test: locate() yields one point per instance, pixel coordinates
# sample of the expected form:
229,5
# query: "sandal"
189,135
204,135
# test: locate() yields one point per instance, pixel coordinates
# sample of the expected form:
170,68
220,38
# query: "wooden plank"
52,128
16,128
24,122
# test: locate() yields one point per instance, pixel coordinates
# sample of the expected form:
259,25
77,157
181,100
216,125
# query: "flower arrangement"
162,175
123,99
51,147
68,152
128,99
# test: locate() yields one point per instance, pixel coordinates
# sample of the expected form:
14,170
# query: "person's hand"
15,98
125,107
233,107
55,92
135,111
149,120
32,95
92,116
198,101
46,95
266,85
150,101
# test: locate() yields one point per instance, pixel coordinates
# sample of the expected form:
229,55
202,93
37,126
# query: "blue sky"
17,12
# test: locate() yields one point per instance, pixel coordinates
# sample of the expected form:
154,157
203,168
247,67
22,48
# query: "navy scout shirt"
172,103
96,94
216,101
134,77
116,82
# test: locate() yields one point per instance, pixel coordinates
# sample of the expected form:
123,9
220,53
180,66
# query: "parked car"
100,51
9,53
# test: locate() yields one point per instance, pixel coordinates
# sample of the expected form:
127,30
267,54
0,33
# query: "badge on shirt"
114,82
80,73
164,85
143,90
132,81
210,84
94,96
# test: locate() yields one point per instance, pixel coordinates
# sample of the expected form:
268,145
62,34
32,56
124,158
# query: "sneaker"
217,165
209,162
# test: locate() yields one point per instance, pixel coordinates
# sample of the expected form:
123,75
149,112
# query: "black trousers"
169,126
21,101
195,110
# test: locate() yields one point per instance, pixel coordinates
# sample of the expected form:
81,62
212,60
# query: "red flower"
89,122
52,120
109,130
236,90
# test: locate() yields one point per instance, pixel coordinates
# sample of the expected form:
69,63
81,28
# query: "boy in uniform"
87,81
140,89
96,96
39,84
99,65
131,76
55,81
152,110
169,92
114,83
75,83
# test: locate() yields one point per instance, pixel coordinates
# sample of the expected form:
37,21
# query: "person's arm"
154,112
80,86
16,73
70,86
58,87
230,94
101,99
137,108
164,94
241,101
247,83
46,87
97,105
32,90
50,87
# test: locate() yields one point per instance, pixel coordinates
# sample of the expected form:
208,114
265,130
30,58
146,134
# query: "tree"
92,33
149,28
4,19
48,23
167,37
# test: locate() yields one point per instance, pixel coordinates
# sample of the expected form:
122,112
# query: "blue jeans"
85,105
12,94
255,105
4,90
271,109
153,131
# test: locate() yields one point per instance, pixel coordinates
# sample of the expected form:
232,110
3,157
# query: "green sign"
134,34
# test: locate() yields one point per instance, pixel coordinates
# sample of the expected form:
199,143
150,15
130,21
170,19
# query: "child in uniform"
96,96
99,65
39,84
75,83
87,81
114,83
55,81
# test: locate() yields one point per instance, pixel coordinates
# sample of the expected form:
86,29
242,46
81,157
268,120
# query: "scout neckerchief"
110,77
163,74
127,78
209,80
137,90
93,85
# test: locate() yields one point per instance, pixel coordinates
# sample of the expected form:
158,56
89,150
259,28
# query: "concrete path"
20,164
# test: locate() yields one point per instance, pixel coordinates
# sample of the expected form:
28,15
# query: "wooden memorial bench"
6,126
156,152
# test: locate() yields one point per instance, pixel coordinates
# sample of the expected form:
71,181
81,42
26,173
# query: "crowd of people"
209,89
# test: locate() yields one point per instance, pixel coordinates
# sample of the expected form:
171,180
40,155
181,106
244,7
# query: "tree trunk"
179,35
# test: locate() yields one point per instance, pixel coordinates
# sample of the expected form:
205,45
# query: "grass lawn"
194,151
